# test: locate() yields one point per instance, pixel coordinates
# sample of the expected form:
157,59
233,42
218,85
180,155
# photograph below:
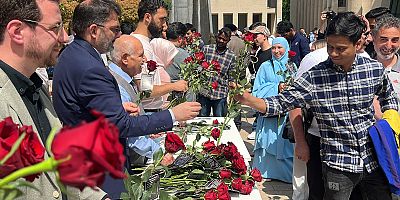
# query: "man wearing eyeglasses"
31,36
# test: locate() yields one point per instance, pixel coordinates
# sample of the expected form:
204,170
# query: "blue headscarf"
285,57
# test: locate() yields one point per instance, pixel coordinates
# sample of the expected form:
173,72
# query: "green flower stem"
227,119
44,166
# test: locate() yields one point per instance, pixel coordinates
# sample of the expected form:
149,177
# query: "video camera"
329,14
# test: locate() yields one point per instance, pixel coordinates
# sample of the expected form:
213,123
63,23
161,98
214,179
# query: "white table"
231,135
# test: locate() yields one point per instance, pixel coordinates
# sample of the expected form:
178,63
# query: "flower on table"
225,173
208,145
215,133
94,150
173,143
237,184
247,187
30,151
210,195
256,174
215,122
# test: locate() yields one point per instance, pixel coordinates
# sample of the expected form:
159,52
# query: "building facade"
306,13
243,13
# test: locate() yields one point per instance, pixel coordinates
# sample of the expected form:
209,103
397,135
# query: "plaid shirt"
227,60
342,104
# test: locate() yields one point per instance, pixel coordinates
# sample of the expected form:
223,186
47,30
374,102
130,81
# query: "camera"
329,14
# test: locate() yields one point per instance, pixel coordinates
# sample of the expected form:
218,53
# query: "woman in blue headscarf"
273,155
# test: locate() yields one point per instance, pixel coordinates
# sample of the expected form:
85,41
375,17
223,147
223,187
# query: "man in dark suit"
31,36
82,82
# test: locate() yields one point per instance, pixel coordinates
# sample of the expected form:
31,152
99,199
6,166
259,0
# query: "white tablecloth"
231,135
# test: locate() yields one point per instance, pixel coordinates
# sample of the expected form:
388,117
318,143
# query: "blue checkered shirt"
342,104
227,60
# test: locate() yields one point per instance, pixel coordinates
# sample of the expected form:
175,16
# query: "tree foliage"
286,10
129,10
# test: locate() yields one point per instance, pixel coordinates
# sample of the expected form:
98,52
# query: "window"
214,18
342,3
257,17
242,20
228,18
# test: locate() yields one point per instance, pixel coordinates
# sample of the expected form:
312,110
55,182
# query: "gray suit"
11,104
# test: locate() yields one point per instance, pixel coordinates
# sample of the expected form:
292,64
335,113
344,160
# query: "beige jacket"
11,104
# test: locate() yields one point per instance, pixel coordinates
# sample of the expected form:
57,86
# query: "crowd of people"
345,76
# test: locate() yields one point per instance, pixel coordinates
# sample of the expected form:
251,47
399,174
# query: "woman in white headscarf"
164,52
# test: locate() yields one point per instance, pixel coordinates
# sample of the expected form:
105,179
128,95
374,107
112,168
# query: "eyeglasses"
115,30
56,28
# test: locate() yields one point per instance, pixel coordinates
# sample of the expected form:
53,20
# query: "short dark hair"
190,27
284,27
346,24
19,10
377,12
176,30
255,24
150,6
92,12
226,31
386,22
231,26
127,27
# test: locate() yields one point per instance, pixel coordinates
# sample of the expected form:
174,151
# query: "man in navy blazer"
82,82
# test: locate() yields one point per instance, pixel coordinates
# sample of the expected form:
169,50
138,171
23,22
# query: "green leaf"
125,196
146,175
164,195
10,194
198,137
14,148
197,171
158,155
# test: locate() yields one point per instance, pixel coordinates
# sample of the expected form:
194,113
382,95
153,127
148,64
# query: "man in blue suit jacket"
82,82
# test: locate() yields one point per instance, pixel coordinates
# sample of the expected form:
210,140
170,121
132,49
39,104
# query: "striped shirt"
227,60
342,104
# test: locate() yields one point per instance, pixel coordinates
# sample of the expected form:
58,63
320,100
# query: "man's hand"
186,111
180,86
131,108
302,151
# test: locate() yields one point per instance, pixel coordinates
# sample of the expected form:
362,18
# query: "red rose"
94,149
222,188
215,133
199,56
210,195
216,66
237,184
208,145
216,151
246,189
256,174
224,196
151,65
188,60
173,143
225,173
215,122
230,151
205,64
30,151
214,85
292,54
239,165
249,37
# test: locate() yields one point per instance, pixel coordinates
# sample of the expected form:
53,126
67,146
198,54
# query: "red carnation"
256,174
225,173
151,65
214,85
173,143
199,56
208,145
205,64
237,184
292,54
215,133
